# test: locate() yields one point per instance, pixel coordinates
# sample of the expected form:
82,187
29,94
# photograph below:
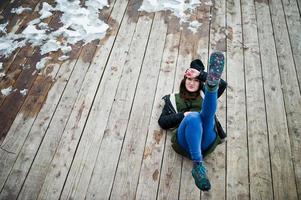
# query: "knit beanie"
197,64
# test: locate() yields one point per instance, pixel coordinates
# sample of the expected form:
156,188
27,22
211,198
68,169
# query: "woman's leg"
190,135
207,117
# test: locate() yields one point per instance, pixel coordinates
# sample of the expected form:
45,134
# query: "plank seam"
112,186
176,66
25,60
48,128
151,28
283,98
18,154
226,99
265,107
108,18
291,153
245,90
292,50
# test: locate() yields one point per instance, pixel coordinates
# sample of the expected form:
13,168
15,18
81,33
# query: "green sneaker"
201,180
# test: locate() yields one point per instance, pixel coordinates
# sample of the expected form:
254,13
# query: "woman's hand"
192,73
186,113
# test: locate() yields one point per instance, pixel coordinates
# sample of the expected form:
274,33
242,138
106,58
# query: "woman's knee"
193,117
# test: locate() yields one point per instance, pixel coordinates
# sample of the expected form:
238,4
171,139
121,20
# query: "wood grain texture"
284,186
293,22
237,149
78,179
149,176
129,166
258,143
170,173
291,94
18,164
88,127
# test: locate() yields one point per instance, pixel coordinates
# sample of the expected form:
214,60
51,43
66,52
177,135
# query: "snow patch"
8,91
194,25
19,10
24,92
2,75
179,8
79,23
63,57
3,28
42,63
46,11
1,65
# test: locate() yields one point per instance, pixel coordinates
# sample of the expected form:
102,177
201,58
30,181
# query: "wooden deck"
88,126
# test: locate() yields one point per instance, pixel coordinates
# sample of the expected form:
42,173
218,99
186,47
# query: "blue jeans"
196,132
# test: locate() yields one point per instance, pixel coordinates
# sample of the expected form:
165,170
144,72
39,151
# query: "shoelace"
201,170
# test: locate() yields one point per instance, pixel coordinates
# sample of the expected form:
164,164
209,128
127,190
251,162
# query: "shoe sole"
216,68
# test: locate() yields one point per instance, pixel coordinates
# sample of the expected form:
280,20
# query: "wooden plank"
216,162
22,124
58,124
237,155
16,24
171,164
259,160
73,131
192,43
281,164
52,133
23,79
291,94
293,21
16,166
149,177
129,166
170,173
12,103
113,109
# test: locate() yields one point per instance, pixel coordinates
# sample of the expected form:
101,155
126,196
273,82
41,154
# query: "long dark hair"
185,94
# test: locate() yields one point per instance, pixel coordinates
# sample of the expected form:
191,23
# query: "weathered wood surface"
293,103
258,146
291,95
280,152
171,163
17,77
88,126
129,166
237,153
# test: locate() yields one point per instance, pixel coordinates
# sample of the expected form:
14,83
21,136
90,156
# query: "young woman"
192,113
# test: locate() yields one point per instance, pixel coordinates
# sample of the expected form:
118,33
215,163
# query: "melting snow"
41,64
24,92
8,91
19,10
180,8
3,28
63,57
79,24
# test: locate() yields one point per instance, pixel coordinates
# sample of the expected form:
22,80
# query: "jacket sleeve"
168,118
222,86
